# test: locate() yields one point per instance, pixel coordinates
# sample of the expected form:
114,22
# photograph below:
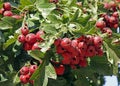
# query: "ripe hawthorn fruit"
74,43
30,38
112,19
115,14
83,63
39,34
27,46
60,50
60,70
109,32
7,13
57,42
32,68
24,70
90,51
24,78
66,58
2,10
16,16
65,43
82,46
100,24
98,41
7,6
36,46
21,38
24,30
75,60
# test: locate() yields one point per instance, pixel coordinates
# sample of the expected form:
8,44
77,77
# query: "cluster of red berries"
26,72
109,20
110,6
6,11
30,41
75,52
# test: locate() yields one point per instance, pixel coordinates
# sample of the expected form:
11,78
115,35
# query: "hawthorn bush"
58,42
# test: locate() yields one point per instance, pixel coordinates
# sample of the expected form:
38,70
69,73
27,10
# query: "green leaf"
45,9
42,1
101,65
4,25
26,2
54,18
81,82
2,39
50,29
36,54
9,20
2,78
112,55
60,81
71,3
74,18
16,79
39,75
10,41
89,26
83,20
50,71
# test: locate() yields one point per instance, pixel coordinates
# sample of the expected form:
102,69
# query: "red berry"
32,68
24,30
24,78
115,14
60,50
24,70
106,6
66,58
2,10
60,70
105,29
7,13
21,38
39,34
89,40
57,42
118,0
31,38
112,4
109,32
91,51
7,6
100,24
81,39
16,16
112,19
73,66
36,46
82,46
27,46
83,63
74,52
98,41
65,43
115,26
100,52
75,60
74,43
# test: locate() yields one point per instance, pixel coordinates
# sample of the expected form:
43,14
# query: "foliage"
64,19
